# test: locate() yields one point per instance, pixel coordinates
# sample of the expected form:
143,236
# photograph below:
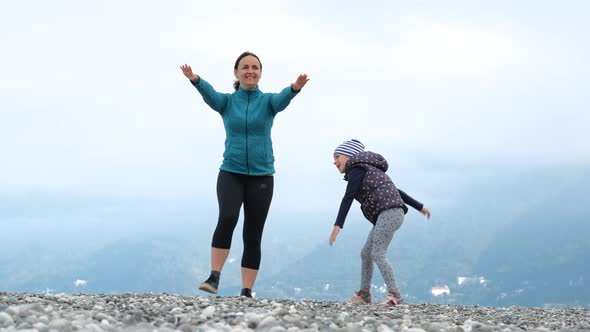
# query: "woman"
246,173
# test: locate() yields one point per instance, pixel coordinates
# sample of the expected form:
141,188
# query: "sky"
92,100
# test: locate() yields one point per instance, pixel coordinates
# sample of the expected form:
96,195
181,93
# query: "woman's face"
248,72
340,162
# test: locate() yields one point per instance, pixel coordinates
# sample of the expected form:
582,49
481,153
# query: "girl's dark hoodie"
372,188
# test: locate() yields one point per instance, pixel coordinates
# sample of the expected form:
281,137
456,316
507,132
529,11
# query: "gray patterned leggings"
375,249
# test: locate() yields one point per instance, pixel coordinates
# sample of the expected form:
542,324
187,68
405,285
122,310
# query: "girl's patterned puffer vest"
378,193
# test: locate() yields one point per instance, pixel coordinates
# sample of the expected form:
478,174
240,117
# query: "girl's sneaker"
392,301
359,298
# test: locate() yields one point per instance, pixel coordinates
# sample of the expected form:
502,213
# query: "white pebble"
5,320
267,322
93,328
209,311
277,329
176,311
413,329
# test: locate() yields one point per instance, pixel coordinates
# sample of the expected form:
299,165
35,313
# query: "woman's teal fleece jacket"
247,116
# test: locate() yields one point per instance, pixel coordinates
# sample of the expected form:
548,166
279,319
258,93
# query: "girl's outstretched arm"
355,180
414,203
335,232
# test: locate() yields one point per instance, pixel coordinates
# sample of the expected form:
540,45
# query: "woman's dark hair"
245,54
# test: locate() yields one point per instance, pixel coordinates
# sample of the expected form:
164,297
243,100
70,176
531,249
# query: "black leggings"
255,192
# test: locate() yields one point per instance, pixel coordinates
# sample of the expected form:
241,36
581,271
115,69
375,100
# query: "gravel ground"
163,312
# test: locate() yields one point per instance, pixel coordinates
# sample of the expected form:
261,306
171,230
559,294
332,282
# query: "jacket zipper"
247,162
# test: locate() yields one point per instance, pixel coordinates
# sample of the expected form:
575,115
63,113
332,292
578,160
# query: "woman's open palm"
188,72
300,82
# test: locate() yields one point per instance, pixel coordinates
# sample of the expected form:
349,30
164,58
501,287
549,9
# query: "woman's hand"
188,72
299,83
334,234
425,212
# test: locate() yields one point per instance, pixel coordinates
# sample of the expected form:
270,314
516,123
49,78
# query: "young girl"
382,204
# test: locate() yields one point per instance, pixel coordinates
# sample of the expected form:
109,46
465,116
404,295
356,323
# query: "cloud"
430,49
87,104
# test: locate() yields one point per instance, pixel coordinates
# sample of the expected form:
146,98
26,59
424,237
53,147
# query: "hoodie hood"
369,158
378,192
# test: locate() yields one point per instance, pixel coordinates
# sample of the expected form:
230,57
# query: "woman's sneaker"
358,298
246,292
210,285
392,300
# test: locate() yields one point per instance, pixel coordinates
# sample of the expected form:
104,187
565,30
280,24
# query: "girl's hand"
334,234
300,82
188,72
425,212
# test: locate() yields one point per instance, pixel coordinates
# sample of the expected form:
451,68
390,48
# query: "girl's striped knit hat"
350,148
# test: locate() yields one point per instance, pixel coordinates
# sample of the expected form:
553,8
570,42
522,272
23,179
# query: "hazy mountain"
541,256
524,232
520,231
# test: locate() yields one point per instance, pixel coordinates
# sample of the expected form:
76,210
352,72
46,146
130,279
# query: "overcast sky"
92,99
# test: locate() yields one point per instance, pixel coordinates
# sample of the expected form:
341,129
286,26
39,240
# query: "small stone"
209,311
277,329
40,327
5,320
93,328
185,328
267,322
414,329
437,327
176,311
24,326
60,325
479,327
